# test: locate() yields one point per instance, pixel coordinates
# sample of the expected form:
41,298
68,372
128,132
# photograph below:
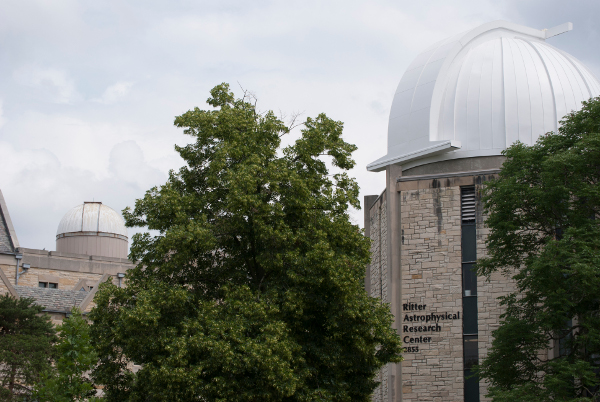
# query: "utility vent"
467,204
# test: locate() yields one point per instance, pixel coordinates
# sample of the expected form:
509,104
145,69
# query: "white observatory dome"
92,228
479,92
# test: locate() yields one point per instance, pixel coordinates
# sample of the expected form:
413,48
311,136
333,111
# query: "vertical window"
469,291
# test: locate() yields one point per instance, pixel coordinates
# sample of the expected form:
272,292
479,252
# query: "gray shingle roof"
8,236
6,245
53,299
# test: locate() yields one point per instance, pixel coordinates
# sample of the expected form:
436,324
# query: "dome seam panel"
503,87
532,54
460,71
528,97
555,120
479,84
569,59
558,67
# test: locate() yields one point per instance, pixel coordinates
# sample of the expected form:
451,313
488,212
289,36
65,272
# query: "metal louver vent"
467,204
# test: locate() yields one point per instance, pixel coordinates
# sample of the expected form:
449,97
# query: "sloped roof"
8,237
6,245
53,300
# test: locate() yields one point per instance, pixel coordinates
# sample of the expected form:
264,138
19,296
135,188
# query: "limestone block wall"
431,289
489,290
5,268
65,279
378,272
432,285
64,269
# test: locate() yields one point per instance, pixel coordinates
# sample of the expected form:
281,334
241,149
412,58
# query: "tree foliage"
68,379
26,338
252,289
545,232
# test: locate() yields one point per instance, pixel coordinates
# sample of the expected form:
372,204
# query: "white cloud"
139,65
39,189
129,165
50,84
115,92
2,118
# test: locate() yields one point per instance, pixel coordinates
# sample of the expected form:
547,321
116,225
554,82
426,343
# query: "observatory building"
91,247
459,104
93,229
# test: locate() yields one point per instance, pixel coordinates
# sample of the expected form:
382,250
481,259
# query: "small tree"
253,288
545,232
68,381
26,338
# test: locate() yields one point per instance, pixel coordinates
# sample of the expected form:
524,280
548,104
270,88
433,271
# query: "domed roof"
92,217
478,92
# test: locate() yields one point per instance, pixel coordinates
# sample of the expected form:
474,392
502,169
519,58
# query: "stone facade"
379,276
431,284
71,273
489,290
431,277
65,269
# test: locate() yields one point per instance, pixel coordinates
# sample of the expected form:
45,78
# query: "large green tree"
543,212
68,380
251,288
26,337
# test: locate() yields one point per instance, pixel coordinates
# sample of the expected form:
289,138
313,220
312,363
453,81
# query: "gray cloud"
89,90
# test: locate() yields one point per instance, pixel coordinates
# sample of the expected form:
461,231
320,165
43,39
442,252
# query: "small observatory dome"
93,229
478,92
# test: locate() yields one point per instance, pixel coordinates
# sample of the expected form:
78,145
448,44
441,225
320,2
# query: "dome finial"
557,30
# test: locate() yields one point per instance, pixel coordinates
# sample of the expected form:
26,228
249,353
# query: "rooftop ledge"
435,147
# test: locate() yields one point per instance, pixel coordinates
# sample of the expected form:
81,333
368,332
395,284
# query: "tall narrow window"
469,291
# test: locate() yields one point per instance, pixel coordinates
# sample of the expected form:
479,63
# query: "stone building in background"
91,244
457,107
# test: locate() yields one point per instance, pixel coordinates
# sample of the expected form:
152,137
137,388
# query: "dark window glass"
563,349
470,315
470,351
471,387
43,284
469,275
469,285
468,243
53,285
559,233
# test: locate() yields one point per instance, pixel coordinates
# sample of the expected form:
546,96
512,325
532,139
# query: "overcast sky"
89,90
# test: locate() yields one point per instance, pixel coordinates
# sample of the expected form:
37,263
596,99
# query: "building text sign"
417,323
